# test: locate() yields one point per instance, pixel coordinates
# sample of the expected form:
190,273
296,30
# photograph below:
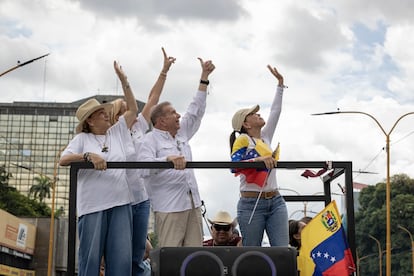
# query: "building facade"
32,135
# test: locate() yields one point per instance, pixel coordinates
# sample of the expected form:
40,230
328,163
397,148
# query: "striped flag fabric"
324,248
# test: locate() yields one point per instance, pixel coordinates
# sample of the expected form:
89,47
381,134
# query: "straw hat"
240,116
223,218
116,107
86,109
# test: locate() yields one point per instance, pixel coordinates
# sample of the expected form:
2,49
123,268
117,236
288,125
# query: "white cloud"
313,44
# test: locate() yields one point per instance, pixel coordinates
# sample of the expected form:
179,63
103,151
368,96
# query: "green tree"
371,218
15,203
4,176
41,190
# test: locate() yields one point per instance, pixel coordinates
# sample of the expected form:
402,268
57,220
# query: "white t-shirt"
101,190
137,187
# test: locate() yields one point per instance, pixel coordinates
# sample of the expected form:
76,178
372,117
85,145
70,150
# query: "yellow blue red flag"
324,248
246,148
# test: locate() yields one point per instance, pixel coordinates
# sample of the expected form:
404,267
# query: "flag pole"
258,197
275,155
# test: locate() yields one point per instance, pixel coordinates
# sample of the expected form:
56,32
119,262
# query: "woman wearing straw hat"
140,203
260,207
103,196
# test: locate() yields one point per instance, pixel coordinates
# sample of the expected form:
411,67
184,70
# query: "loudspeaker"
224,260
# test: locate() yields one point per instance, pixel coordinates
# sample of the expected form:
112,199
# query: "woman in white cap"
260,207
103,196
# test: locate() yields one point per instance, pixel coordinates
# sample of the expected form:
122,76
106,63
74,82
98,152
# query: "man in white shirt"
174,192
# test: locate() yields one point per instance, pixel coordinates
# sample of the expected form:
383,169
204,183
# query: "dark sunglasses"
219,227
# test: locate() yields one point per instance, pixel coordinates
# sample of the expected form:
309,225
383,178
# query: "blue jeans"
146,268
270,215
106,233
140,217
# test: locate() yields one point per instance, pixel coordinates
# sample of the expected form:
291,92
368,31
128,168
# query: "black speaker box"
224,260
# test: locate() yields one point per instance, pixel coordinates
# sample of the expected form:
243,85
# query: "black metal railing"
339,168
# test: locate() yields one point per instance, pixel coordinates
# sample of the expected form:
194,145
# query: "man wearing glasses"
174,193
222,227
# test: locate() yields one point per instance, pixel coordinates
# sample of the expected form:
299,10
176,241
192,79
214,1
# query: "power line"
370,162
399,140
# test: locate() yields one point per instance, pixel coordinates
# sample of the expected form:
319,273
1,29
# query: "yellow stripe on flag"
314,233
276,152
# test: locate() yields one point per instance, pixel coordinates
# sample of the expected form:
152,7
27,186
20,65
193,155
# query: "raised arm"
207,68
276,107
132,107
156,90
191,120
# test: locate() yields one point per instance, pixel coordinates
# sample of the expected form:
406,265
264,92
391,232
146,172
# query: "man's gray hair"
158,111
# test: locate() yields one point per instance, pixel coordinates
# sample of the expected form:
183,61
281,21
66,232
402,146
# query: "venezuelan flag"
245,148
324,250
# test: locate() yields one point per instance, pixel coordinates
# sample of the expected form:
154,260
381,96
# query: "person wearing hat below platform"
260,207
222,227
103,196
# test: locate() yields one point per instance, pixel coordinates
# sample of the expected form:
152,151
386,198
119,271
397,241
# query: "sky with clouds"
345,55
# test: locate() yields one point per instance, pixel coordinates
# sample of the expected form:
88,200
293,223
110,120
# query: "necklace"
103,146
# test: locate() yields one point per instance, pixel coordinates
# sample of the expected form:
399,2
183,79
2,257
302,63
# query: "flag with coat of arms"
324,248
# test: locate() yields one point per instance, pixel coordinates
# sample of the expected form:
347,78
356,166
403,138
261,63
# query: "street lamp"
412,243
52,215
22,64
358,261
388,186
379,253
52,209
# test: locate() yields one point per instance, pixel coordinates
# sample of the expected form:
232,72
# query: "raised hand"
275,73
168,61
121,75
207,66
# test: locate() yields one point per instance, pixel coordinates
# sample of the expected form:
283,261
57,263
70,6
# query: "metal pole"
52,215
379,254
358,262
22,64
412,244
388,210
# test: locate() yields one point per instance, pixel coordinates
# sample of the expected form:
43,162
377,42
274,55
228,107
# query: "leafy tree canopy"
371,220
15,203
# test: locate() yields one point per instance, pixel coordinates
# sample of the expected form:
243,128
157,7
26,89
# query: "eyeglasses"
220,227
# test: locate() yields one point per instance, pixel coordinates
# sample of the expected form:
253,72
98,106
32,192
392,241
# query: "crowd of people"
113,205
